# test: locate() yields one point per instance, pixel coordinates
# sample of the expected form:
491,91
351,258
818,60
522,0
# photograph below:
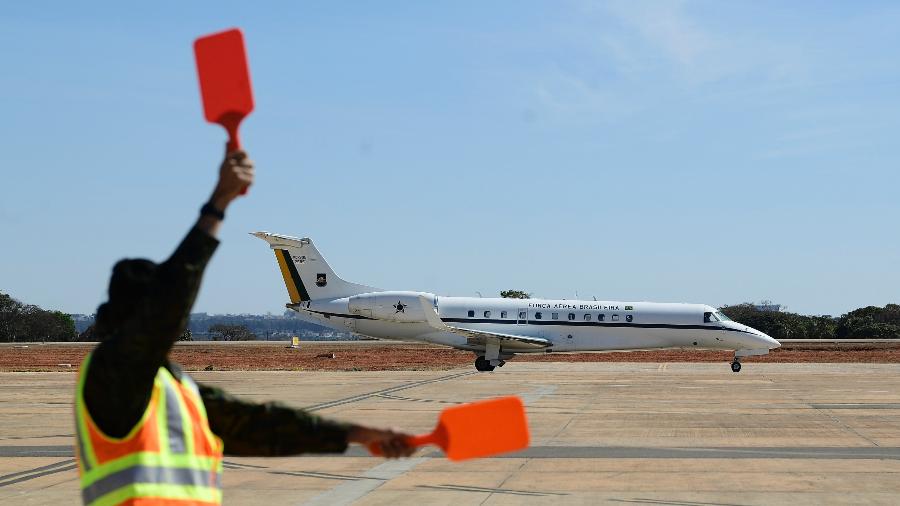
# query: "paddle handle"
420,440
234,144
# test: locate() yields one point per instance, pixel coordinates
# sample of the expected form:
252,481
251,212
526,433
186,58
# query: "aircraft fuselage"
570,325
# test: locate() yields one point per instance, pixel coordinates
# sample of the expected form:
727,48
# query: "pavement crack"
491,491
59,467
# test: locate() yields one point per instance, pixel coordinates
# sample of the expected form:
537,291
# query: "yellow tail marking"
288,280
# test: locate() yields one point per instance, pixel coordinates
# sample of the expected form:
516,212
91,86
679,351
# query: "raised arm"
235,174
180,275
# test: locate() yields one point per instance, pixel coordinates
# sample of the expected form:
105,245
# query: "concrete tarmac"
618,433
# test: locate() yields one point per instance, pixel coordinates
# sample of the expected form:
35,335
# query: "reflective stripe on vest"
170,455
173,422
198,485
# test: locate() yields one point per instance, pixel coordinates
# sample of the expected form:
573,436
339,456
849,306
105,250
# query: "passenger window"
502,314
587,317
629,318
487,314
571,316
600,317
521,315
537,316
471,314
615,318
555,316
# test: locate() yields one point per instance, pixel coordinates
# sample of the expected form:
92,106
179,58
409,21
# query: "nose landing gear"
746,352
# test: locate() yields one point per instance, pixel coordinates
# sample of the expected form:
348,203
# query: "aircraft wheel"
481,364
735,366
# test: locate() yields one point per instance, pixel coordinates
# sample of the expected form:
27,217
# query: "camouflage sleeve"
269,429
179,281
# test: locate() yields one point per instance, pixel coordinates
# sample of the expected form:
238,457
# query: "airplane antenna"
479,294
595,298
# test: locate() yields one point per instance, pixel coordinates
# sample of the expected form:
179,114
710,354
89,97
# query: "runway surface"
620,433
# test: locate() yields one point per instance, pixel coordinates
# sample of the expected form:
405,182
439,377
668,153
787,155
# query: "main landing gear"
736,365
484,365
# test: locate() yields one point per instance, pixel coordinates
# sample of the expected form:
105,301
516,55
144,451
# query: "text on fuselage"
594,307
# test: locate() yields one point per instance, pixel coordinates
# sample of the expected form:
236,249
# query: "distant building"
82,321
769,306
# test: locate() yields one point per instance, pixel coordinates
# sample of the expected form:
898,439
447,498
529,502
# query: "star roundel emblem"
400,307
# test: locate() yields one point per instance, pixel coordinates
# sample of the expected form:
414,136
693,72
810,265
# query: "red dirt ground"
376,356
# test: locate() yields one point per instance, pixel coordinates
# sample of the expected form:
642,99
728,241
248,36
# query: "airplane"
496,329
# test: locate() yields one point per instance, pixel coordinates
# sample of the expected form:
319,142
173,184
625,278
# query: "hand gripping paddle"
224,81
479,429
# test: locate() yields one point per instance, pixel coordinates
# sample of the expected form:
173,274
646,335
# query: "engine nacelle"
393,306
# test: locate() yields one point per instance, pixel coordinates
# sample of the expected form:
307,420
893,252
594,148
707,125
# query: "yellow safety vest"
170,457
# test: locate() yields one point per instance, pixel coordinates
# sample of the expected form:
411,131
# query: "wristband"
209,209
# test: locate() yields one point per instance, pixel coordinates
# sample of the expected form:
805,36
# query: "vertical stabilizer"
306,274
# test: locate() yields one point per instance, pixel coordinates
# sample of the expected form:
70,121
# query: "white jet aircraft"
496,329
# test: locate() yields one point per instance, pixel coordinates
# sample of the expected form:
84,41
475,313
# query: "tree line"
28,323
871,322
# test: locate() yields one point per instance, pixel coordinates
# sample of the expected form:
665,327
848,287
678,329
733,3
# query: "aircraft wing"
482,337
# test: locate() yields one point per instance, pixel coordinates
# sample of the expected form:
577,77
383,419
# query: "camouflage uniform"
138,327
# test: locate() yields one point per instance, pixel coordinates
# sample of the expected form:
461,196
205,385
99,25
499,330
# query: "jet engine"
394,306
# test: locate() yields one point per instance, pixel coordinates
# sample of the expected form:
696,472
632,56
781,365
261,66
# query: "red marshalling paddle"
478,429
224,81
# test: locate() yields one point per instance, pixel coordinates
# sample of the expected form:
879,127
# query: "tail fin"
306,273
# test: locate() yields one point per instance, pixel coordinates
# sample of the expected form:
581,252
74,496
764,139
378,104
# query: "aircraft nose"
767,340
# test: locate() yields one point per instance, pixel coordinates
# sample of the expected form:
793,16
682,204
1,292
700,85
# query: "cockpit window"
709,317
722,316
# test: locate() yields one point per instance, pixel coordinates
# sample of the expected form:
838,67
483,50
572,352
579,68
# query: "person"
146,432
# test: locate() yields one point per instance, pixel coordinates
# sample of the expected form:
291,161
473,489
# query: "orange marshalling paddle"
479,429
224,81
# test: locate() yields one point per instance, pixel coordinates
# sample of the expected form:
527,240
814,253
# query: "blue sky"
713,152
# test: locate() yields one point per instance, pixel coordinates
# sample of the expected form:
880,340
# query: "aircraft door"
521,316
